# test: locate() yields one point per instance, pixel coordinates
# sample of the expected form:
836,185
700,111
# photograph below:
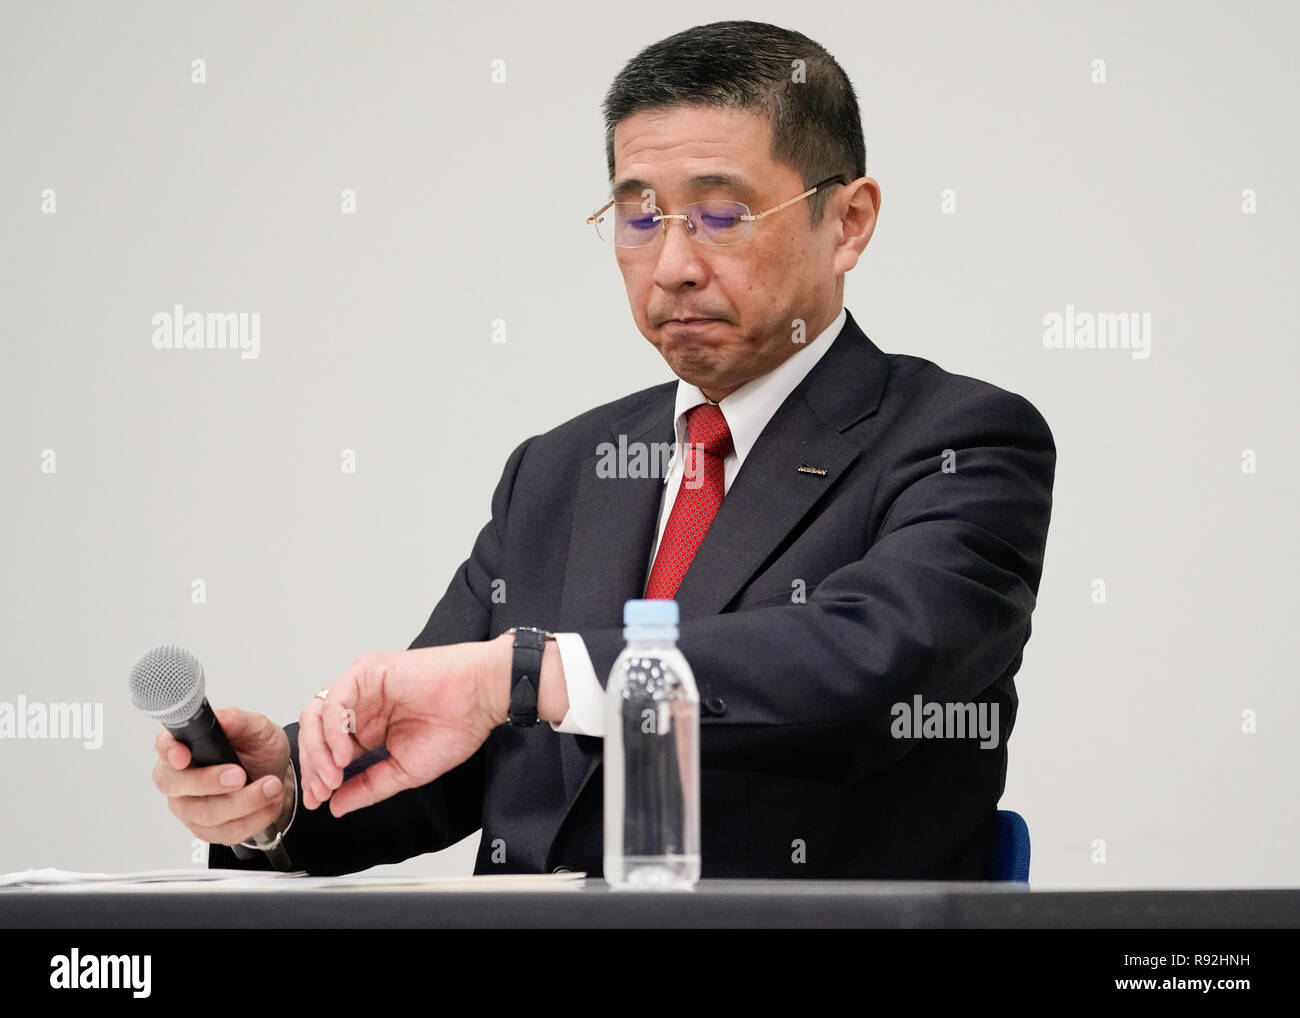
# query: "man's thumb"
240,726
375,784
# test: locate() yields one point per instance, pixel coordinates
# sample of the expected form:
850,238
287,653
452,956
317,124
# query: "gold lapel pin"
805,468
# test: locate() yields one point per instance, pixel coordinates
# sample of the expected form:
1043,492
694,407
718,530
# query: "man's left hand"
432,708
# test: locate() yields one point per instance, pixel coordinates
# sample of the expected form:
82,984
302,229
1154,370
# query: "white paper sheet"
269,880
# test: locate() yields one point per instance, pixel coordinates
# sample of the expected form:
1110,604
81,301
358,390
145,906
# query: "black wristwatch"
526,674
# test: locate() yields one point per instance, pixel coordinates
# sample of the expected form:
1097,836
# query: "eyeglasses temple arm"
778,208
799,197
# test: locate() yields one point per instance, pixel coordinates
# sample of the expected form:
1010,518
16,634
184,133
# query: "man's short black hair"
748,65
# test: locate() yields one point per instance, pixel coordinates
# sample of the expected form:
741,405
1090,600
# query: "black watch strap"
525,675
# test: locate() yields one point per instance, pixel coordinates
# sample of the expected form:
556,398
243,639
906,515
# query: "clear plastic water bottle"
652,756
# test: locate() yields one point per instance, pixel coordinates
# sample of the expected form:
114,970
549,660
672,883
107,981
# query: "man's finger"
306,720
338,720
312,754
215,810
175,753
234,831
376,783
215,780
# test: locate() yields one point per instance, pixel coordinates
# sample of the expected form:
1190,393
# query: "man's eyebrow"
699,182
630,185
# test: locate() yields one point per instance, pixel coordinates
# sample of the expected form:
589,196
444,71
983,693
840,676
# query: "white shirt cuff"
586,714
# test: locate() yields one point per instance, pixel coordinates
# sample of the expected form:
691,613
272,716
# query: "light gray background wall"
376,336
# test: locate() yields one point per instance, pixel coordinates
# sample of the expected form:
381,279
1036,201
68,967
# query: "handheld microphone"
167,684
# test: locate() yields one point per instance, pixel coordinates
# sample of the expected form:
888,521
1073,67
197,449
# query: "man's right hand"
214,802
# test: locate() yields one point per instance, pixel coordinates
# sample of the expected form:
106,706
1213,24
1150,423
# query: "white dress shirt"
747,411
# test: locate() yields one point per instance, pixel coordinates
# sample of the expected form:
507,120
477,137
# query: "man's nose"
679,261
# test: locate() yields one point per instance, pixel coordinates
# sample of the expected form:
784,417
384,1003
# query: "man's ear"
858,205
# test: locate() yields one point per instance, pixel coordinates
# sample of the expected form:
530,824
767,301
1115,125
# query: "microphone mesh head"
167,684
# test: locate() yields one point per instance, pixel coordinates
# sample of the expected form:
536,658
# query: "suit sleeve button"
562,869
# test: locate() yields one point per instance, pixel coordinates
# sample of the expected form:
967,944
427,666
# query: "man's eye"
719,221
641,223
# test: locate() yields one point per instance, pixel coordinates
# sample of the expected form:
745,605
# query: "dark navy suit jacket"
920,548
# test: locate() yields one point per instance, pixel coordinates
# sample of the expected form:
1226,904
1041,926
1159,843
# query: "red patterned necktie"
698,498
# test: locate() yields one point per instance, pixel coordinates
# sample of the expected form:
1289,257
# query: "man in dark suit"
864,550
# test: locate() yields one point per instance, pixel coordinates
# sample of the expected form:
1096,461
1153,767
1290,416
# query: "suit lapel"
615,520
766,501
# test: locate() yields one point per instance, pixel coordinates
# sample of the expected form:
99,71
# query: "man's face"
749,294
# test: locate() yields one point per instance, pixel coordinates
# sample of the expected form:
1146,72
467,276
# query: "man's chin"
707,381
691,364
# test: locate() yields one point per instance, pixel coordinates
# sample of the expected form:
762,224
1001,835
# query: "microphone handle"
206,739
208,747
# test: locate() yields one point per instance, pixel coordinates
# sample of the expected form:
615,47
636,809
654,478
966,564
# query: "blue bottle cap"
654,612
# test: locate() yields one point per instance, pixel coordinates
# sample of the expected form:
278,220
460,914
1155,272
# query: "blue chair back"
1011,848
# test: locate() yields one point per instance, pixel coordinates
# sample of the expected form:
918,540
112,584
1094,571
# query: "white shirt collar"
750,407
